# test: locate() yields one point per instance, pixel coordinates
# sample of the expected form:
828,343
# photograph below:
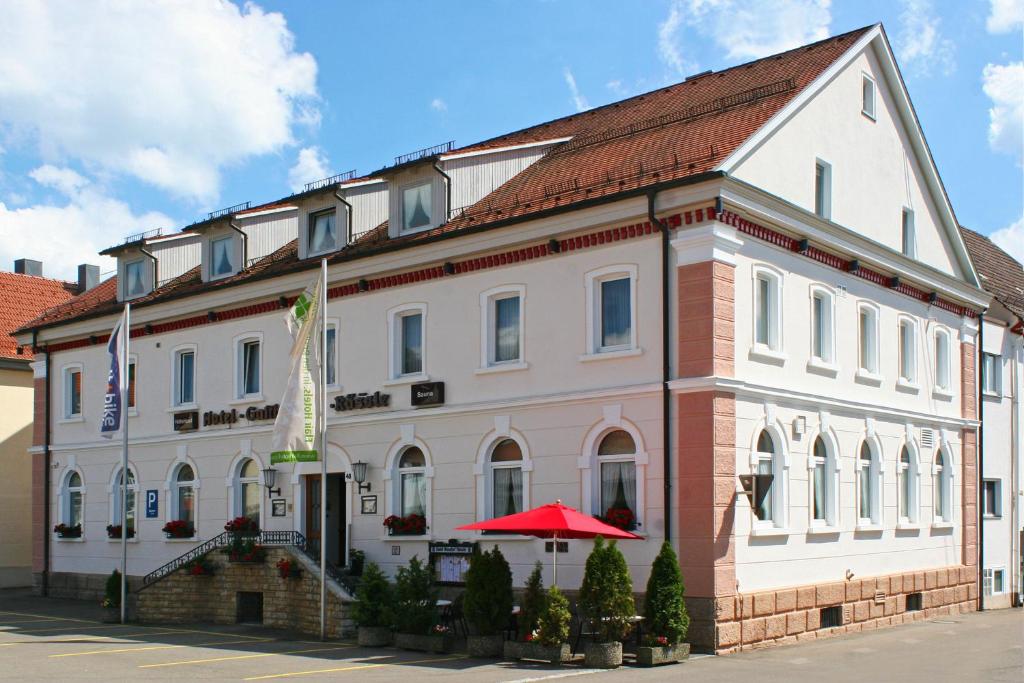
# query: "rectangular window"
997,581
868,340
830,617
864,487
765,511
322,235
616,316
993,493
184,377
412,343
765,311
506,329
221,257
133,275
990,374
821,327
618,487
914,602
993,581
822,189
332,354
868,97
72,392
909,239
942,360
907,358
416,207
414,494
131,384
186,504
250,369
819,491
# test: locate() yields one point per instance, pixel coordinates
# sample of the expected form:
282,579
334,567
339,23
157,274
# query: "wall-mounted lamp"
269,479
358,475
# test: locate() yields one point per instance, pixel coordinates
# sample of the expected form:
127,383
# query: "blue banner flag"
110,423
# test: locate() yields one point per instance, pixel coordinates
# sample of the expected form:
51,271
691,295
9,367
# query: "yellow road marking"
251,656
154,647
354,668
47,616
93,639
27,621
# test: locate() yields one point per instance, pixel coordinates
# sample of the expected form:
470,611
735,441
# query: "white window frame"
593,280
171,486
874,468
904,381
772,351
942,487
401,204
942,337
141,263
998,493
868,372
831,465
908,233
64,513
826,362
176,354
395,344
235,481
988,580
235,267
991,383
912,470
114,489
826,199
311,221
238,344
335,324
590,463
869,112
483,470
66,387
393,480
488,340
779,491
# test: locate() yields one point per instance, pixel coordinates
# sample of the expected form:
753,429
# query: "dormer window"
323,235
135,284
416,207
221,257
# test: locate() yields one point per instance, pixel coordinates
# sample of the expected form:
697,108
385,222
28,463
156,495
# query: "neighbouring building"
736,313
1001,482
24,294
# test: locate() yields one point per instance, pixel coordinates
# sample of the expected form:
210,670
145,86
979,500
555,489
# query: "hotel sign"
186,421
427,394
361,401
229,417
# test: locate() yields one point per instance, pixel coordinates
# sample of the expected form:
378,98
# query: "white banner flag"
295,430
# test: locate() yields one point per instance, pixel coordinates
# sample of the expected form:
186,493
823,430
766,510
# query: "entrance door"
336,518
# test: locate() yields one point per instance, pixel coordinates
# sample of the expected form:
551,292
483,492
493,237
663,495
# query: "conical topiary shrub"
606,599
664,608
372,608
533,603
487,602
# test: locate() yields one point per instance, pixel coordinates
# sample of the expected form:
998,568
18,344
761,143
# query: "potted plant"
112,598
201,566
179,528
243,547
114,531
415,609
487,602
665,617
606,599
549,642
410,525
373,607
288,568
356,561
529,612
64,531
246,552
620,518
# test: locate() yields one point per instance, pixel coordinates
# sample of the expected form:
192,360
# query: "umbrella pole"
554,553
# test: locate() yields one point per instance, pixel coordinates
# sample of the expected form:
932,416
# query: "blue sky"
116,120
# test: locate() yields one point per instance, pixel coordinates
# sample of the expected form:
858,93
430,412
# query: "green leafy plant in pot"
487,602
606,600
415,609
373,608
665,618
112,598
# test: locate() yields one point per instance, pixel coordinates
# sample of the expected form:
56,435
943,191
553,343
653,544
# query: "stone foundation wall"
292,604
793,614
78,586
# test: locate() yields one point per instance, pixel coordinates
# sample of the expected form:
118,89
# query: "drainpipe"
447,192
981,462
1015,453
348,221
46,474
666,369
245,244
156,264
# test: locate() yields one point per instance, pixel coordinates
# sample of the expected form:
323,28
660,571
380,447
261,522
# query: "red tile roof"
23,298
672,133
1001,275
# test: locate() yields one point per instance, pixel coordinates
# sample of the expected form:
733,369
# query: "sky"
118,117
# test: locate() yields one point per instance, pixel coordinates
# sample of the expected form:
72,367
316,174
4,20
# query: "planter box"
485,646
559,654
439,644
374,636
603,655
669,654
111,615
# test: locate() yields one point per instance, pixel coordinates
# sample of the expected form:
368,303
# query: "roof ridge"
40,277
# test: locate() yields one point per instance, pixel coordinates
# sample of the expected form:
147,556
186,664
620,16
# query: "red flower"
179,528
621,518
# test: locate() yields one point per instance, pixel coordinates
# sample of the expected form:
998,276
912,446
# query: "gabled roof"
1001,275
23,298
678,133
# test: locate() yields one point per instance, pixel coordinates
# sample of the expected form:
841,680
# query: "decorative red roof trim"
840,263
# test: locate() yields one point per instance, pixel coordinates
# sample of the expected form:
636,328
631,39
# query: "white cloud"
578,100
311,164
1005,16
169,91
1004,85
437,104
617,88
64,236
919,43
749,29
1011,239
668,41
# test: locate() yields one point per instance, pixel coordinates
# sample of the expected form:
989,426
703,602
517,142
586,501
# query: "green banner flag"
295,429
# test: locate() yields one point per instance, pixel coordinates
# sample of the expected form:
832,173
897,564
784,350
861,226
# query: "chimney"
26,266
88,277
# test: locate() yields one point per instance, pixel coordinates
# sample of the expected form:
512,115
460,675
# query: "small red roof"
23,298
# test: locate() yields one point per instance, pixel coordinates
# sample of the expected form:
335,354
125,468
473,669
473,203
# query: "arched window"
412,480
765,512
821,485
942,488
906,475
184,495
616,458
72,499
247,490
133,493
506,479
867,486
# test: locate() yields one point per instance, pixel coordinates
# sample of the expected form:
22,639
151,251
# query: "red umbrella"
550,521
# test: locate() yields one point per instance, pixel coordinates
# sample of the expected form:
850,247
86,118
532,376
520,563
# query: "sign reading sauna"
230,417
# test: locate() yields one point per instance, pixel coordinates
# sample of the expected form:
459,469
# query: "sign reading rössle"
229,417
427,394
361,401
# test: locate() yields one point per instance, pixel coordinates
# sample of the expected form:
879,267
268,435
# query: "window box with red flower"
199,567
65,531
288,569
114,531
620,518
179,528
410,525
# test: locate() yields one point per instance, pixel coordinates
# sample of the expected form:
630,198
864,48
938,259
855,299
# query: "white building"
811,314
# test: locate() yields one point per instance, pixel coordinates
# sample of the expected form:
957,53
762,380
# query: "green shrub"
415,605
488,596
112,590
553,628
664,607
533,602
606,595
373,598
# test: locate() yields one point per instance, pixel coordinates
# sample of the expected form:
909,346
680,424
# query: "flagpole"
323,448
123,370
